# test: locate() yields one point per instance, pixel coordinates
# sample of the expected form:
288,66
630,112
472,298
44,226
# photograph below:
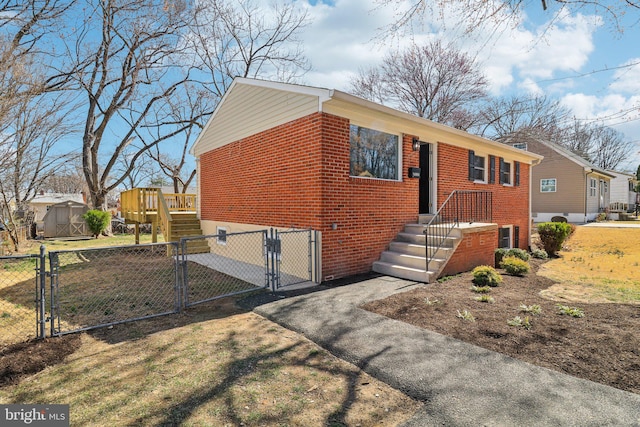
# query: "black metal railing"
459,207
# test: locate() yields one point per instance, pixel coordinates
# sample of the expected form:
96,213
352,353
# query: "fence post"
42,279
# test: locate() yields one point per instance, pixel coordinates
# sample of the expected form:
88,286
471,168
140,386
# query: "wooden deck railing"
150,205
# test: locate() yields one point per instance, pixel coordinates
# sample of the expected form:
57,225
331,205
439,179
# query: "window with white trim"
373,154
477,167
221,235
593,187
505,172
548,185
520,145
504,237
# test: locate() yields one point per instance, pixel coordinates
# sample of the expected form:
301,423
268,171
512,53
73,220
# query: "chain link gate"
22,298
291,256
222,265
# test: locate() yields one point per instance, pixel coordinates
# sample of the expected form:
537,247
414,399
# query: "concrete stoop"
407,254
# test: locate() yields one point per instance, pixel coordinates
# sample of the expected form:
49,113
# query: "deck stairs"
188,225
406,257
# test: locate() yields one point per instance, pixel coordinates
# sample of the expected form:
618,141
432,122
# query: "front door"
425,179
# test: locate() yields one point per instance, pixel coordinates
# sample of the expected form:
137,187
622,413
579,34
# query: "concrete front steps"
407,254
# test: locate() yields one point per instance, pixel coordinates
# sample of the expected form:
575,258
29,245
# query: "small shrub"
447,278
570,311
481,289
485,298
97,221
539,253
515,266
499,254
553,234
485,275
431,302
520,323
533,309
466,315
518,253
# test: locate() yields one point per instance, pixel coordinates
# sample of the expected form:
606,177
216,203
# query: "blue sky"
563,63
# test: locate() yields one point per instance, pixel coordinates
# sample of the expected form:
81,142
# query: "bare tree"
122,57
227,39
27,158
242,39
603,146
434,81
537,116
506,13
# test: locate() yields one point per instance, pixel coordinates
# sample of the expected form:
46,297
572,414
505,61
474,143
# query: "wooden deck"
152,206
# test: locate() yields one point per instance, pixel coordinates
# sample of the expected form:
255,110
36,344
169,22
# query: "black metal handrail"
460,206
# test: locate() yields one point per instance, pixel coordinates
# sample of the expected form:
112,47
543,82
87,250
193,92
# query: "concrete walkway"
460,384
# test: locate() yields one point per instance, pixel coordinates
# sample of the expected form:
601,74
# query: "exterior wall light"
416,144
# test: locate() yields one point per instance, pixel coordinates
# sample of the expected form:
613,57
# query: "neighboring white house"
623,194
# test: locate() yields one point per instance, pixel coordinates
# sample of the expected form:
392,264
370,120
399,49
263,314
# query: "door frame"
427,184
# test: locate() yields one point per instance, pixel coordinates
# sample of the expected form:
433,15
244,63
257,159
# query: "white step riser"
403,260
403,273
417,250
420,239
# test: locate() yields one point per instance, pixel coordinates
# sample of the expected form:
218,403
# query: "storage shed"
64,219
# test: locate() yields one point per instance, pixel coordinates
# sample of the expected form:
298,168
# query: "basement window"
221,235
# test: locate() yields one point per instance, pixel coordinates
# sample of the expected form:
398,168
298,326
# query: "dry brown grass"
597,265
197,370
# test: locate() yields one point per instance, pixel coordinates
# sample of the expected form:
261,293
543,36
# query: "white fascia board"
437,127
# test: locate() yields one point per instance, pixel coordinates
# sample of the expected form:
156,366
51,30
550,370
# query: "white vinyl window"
374,154
548,185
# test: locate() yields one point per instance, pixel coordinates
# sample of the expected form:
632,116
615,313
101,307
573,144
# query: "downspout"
533,163
586,192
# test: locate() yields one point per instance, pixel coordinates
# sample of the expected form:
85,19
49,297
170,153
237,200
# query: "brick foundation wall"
476,248
297,175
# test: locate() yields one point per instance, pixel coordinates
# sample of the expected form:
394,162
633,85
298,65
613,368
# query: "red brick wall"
475,249
297,175
510,203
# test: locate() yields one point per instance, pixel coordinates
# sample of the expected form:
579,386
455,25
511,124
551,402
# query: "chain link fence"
222,265
20,287
92,288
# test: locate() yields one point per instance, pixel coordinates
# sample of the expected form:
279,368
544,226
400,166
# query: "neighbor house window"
520,145
374,154
477,167
593,187
548,185
505,172
221,235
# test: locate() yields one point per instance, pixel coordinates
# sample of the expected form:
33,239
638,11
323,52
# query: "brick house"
367,177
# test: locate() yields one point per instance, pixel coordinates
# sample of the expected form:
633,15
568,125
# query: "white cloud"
627,80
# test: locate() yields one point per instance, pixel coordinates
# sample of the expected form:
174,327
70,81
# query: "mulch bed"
603,346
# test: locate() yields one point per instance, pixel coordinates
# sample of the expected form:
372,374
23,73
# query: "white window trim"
218,232
512,167
510,228
593,187
555,187
485,173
